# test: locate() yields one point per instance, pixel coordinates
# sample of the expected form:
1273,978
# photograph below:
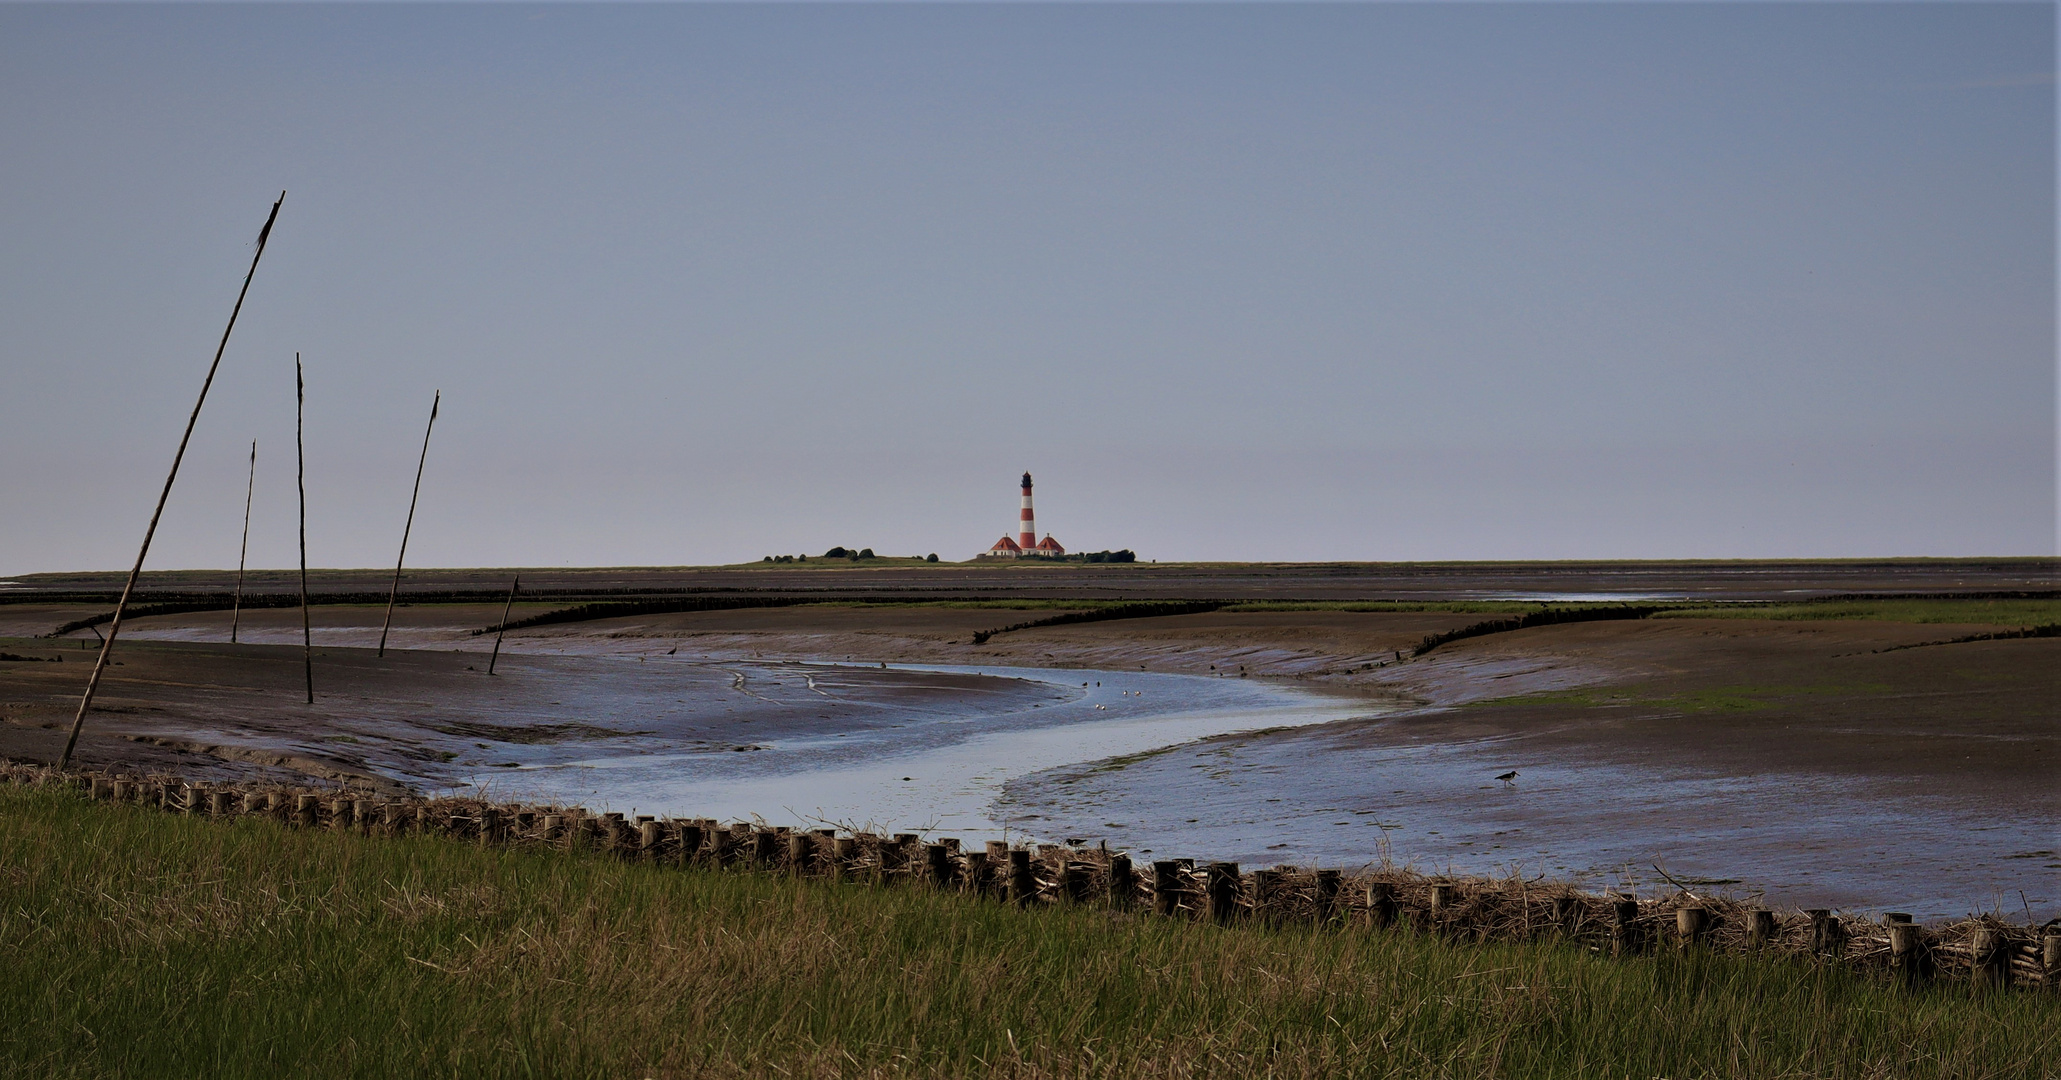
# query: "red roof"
1050,545
1005,544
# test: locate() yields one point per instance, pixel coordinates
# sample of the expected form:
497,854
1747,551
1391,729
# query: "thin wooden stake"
122,606
236,610
502,630
395,592
301,478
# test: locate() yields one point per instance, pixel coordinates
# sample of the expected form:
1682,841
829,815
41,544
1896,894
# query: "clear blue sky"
703,283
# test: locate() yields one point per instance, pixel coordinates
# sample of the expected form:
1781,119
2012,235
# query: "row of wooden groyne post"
1985,951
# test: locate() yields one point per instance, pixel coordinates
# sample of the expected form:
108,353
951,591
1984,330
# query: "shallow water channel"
932,767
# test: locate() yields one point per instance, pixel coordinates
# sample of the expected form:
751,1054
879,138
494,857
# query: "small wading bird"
1508,776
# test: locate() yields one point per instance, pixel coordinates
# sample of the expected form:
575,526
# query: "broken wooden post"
2050,957
362,811
844,850
554,828
218,803
304,808
938,861
253,803
489,826
1567,912
1223,885
799,858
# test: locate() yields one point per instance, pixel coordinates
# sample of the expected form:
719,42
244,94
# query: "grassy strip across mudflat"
146,944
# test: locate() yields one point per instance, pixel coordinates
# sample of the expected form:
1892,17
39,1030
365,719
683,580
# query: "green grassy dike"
137,943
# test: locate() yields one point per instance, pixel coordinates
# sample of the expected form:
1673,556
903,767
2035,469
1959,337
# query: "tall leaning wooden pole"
236,608
502,631
300,473
122,605
395,592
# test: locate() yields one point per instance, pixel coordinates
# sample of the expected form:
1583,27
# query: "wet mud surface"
1797,759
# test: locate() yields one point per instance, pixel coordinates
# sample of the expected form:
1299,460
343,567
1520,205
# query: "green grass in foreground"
142,944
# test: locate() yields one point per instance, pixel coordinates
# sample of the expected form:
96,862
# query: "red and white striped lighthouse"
1027,529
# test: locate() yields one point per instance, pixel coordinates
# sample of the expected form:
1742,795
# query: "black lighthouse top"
1026,481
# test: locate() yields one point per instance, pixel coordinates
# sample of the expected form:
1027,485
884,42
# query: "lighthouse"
1027,529
1026,540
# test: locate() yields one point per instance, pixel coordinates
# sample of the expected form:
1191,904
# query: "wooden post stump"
1166,886
1567,913
1266,887
650,835
489,827
1760,928
304,809
553,828
1223,885
1990,952
1023,888
1624,929
1692,924
1327,895
100,790
938,861
979,876
2050,957
765,848
800,856
1381,906
1439,904
362,811
691,836
219,804
1123,881
253,803
1908,958
1828,939
1074,880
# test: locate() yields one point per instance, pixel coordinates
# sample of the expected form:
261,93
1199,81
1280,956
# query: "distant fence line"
1986,951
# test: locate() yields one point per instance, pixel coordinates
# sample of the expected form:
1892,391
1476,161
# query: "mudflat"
1808,751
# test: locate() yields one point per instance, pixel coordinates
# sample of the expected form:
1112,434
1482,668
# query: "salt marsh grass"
139,943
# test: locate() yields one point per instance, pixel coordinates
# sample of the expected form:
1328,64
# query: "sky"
702,283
